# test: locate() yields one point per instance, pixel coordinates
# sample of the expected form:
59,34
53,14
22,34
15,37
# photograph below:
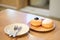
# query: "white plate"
24,29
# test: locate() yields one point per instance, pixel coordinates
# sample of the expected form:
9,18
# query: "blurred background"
39,3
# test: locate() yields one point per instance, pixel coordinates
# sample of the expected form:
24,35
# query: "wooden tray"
41,29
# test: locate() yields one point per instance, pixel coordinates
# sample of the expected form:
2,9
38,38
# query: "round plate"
24,29
41,29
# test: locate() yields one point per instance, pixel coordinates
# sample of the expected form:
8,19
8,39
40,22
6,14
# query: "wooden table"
9,16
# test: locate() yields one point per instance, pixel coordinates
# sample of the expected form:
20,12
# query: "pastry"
47,23
36,22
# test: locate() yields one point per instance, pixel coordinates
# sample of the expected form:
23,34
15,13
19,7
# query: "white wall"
55,8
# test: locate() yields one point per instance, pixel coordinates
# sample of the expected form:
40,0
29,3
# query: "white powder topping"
47,21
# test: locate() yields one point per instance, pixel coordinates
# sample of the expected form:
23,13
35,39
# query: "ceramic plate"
24,29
